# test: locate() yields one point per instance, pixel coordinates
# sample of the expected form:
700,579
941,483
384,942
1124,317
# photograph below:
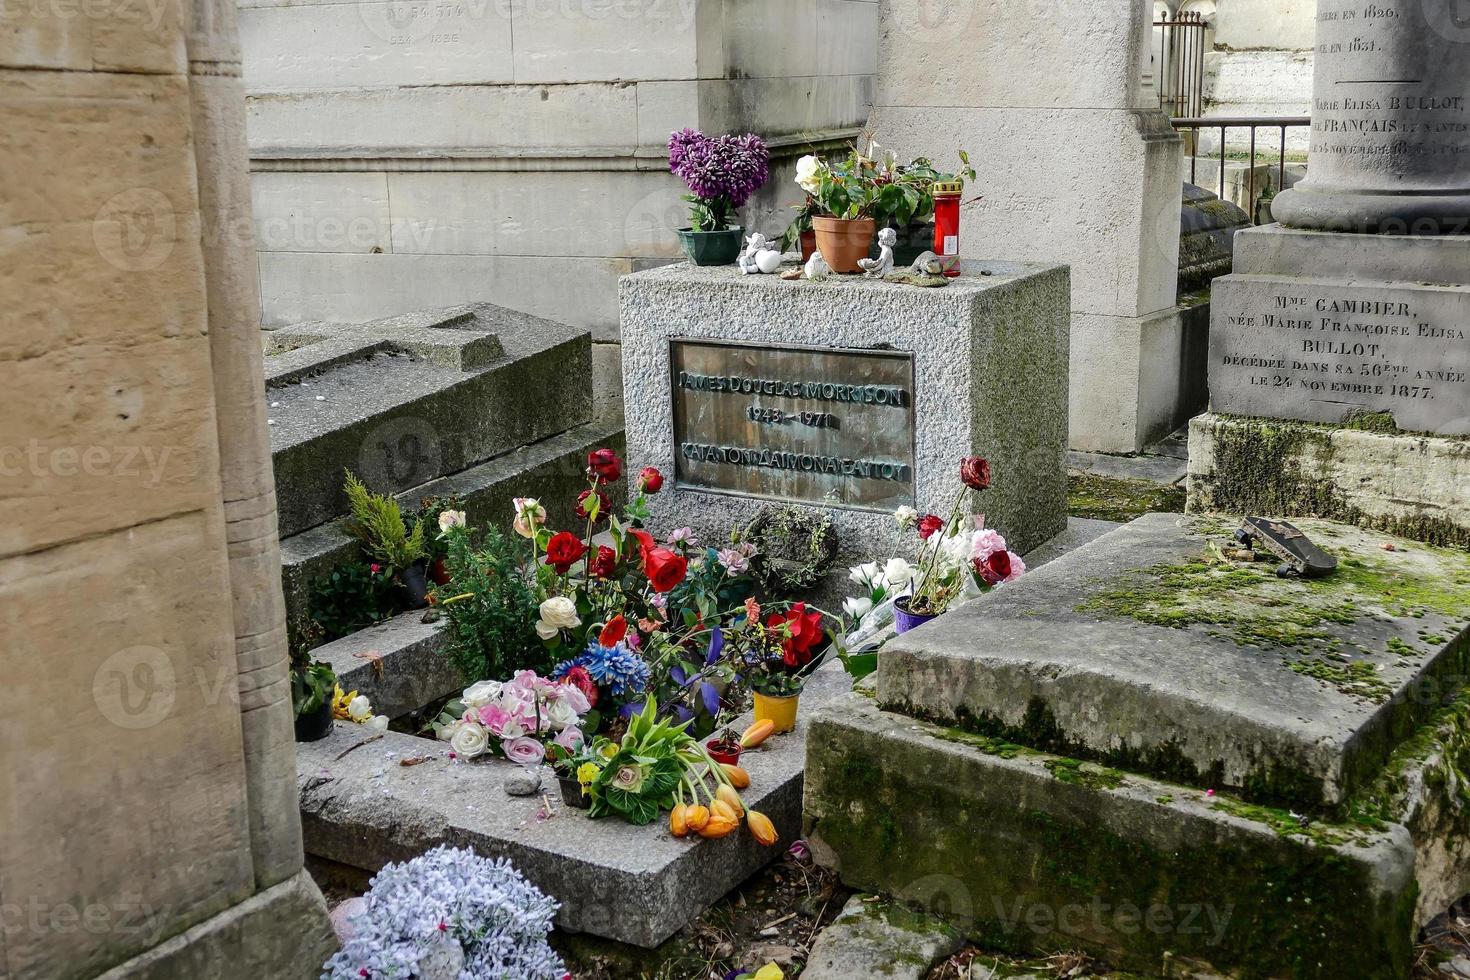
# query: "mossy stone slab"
1031,852
1146,651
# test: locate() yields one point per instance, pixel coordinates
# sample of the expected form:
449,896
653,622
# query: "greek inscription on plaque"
826,426
1325,352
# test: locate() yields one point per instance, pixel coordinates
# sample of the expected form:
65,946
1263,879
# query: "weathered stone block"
1031,851
1141,651
1413,485
552,470
405,400
970,341
634,884
399,665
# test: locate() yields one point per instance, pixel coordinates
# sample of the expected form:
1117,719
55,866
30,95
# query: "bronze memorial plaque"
820,425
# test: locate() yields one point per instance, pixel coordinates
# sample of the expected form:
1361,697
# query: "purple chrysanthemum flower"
732,167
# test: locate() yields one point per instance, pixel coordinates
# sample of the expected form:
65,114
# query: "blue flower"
621,671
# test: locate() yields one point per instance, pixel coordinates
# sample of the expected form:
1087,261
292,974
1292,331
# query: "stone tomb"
849,395
363,807
1267,769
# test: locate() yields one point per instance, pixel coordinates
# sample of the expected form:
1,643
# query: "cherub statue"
817,267
753,244
883,264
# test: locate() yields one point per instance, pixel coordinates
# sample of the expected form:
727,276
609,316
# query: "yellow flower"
769,972
340,702
609,750
587,772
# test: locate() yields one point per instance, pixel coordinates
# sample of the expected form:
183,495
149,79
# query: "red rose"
995,569
644,539
803,632
605,563
579,678
975,472
665,569
604,465
928,524
612,634
563,551
652,481
603,505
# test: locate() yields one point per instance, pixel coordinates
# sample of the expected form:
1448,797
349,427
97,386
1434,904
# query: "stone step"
552,470
412,398
637,885
400,665
1029,851
1136,652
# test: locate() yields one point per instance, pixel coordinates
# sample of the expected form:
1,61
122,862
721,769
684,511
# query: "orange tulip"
738,777
720,810
757,733
761,828
696,817
730,798
718,827
679,820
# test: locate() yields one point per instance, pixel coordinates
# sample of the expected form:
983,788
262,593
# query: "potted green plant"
906,203
845,195
776,652
721,172
377,521
799,234
438,514
313,685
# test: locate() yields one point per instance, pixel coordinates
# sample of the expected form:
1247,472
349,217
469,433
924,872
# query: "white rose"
898,573
559,714
806,173
557,613
906,516
512,729
864,574
451,518
359,709
377,723
857,608
481,693
469,740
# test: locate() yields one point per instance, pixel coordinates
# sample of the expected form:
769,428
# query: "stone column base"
1411,485
281,933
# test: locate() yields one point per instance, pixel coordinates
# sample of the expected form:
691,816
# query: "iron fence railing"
1223,124
1179,63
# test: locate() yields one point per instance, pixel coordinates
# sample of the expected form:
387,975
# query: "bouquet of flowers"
722,172
515,720
620,622
776,651
957,556
865,186
450,913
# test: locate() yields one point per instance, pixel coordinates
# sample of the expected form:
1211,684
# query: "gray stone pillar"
1390,120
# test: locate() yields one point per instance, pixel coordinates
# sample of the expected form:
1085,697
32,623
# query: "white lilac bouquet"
450,914
515,719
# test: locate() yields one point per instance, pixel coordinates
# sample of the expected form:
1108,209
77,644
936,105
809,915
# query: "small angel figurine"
754,244
817,267
883,264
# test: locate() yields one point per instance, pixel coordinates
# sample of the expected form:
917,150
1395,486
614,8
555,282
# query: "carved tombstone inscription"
821,425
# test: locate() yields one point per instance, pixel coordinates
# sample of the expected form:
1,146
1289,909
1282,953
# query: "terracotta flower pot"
842,242
781,712
808,245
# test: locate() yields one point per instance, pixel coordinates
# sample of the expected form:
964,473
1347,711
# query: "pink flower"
1018,567
375,568
569,738
984,544
526,751
574,696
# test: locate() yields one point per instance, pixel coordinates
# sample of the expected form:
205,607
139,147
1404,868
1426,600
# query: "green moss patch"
1105,499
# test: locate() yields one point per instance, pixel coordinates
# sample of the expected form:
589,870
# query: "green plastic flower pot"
712,247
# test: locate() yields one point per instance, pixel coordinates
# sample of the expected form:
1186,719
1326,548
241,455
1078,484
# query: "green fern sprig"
378,522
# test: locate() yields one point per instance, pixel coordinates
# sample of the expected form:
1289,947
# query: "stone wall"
145,698
414,155
1261,64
